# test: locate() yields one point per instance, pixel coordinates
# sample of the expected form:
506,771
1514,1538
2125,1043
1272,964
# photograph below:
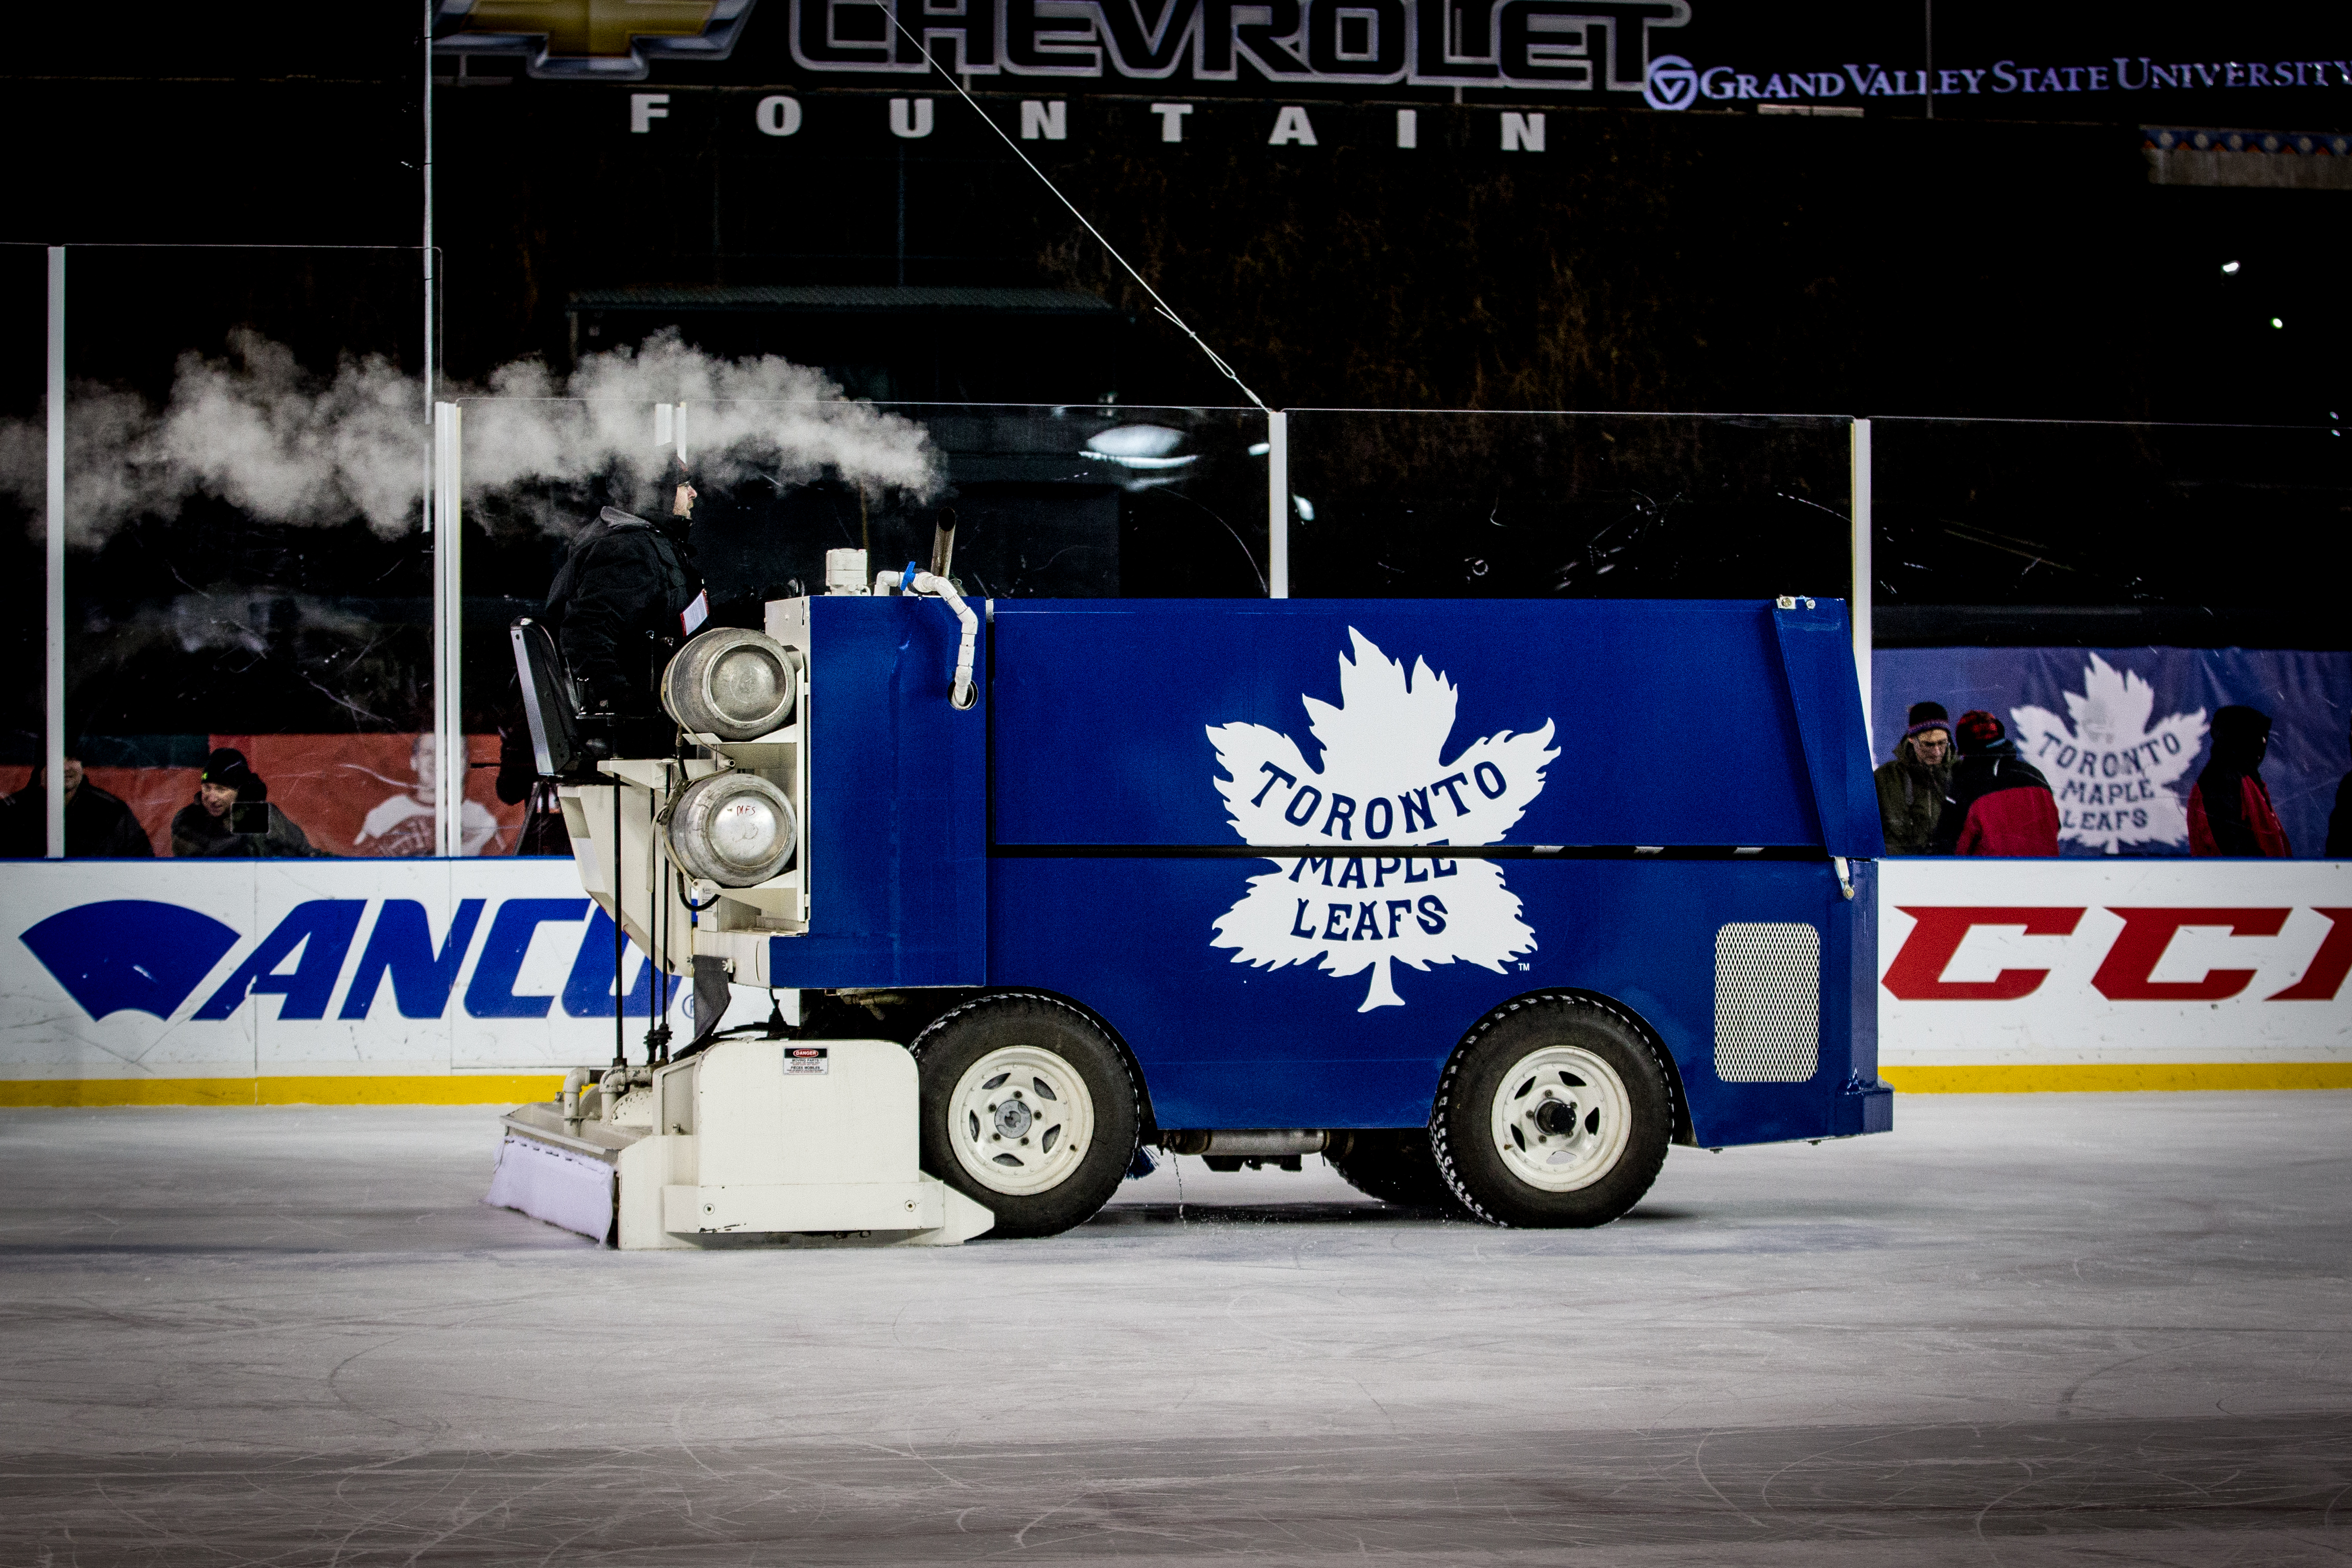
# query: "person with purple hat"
1912,788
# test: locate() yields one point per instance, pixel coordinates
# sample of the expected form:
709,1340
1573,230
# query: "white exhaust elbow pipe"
962,694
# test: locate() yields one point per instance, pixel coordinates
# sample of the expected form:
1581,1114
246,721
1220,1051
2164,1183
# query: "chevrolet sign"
599,40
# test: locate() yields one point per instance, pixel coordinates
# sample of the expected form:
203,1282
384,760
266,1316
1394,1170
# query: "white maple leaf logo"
1384,781
2111,767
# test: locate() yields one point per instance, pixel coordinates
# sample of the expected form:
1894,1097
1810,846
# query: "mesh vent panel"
1767,1003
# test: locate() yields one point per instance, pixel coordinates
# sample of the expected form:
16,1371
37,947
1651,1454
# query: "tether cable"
1158,303
620,992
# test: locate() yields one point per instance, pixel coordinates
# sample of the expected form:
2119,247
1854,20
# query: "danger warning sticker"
804,1059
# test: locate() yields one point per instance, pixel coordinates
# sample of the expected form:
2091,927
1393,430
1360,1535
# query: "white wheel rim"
1561,1150
1021,1120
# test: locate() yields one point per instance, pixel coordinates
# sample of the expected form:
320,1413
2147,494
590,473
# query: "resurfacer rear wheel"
1027,1108
1555,1113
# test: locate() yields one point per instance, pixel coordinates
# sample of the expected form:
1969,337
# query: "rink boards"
2115,974
242,981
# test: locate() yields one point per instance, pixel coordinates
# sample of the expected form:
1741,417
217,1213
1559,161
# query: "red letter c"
1918,973
2147,932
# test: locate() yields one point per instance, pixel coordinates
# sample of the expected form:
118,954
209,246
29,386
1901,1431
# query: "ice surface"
2032,1329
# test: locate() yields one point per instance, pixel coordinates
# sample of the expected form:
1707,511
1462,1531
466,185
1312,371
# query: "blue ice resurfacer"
1487,902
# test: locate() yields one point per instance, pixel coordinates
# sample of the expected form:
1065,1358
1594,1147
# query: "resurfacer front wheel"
1027,1108
1555,1113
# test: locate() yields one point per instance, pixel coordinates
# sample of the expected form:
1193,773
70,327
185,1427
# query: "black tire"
1082,1181
1395,1166
1616,1134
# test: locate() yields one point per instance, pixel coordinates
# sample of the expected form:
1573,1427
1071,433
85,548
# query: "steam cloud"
257,430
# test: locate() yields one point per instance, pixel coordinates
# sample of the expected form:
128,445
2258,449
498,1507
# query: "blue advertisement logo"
129,954
140,956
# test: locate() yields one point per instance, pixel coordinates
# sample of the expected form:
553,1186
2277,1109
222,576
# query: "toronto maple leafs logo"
2112,769
1385,782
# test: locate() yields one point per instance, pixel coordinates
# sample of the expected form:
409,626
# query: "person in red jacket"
2229,810
2339,823
2000,803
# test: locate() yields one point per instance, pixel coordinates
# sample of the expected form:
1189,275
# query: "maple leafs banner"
2122,733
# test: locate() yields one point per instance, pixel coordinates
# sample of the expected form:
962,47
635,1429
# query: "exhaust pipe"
943,542
1247,1142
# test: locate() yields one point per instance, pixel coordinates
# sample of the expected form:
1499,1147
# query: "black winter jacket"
196,833
98,825
615,608
2000,804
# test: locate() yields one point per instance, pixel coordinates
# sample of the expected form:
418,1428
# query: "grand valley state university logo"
1384,782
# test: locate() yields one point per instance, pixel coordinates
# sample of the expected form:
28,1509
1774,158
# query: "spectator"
206,826
2339,823
24,825
1911,788
2000,804
2229,810
404,824
99,826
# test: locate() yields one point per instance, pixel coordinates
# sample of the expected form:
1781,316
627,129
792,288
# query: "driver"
626,598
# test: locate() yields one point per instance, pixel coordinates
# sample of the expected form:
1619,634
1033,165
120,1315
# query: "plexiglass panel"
24,383
1991,529
247,565
2119,597
1520,506
1071,502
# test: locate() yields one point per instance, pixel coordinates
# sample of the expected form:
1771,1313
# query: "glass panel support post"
53,695
1277,505
448,634
1858,600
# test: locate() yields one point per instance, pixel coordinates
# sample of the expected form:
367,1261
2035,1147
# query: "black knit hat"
1977,730
661,490
2242,738
226,765
2239,723
1925,717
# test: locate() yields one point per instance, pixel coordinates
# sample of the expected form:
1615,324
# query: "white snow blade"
562,1186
